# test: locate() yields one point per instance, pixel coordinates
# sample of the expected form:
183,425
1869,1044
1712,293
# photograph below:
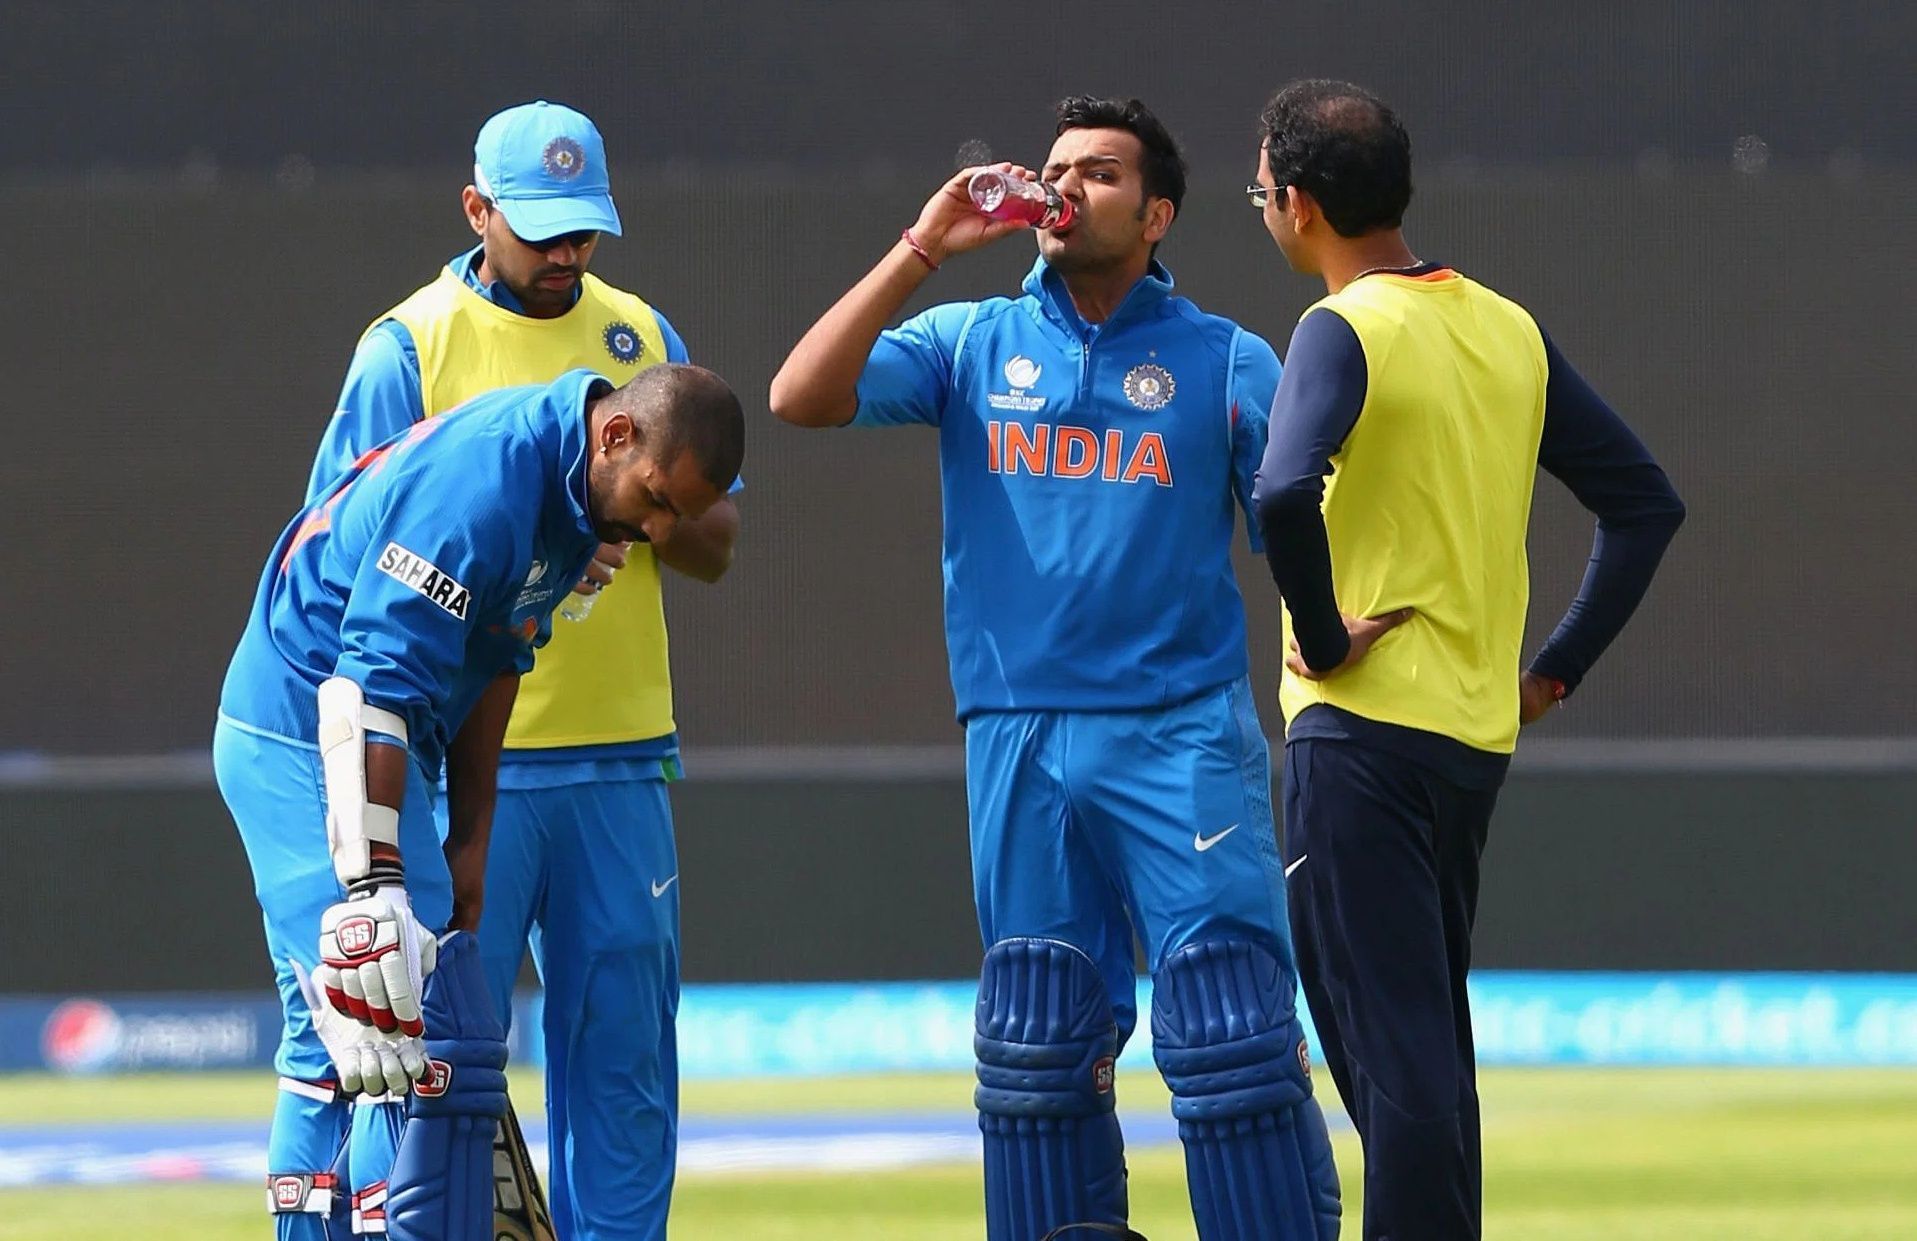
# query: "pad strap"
318,1092
300,1193
369,1210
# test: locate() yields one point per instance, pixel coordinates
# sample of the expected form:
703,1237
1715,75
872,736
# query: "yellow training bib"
1428,504
603,680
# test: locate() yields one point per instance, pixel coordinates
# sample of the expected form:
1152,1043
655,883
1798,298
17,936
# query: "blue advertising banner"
1798,1020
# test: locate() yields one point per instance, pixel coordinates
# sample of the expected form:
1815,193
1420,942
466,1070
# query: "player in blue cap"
583,861
391,628
1093,436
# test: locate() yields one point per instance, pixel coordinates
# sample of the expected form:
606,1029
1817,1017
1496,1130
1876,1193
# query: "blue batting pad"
1226,1037
441,1187
1046,1045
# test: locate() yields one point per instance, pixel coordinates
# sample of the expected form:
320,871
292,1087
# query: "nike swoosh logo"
1202,843
659,889
1299,861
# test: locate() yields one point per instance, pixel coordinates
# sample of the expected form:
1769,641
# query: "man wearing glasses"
582,840
1093,434
1395,493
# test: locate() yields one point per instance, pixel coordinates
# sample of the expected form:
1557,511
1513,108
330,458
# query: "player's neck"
1353,257
1096,295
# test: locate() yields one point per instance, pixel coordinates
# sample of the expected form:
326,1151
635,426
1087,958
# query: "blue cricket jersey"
1089,474
429,568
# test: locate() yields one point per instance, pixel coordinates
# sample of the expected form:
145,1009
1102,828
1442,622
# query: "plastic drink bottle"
1005,197
577,607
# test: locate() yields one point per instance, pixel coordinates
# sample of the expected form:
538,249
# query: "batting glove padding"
374,959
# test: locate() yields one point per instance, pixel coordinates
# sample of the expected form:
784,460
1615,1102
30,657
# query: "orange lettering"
1031,451
1148,460
1063,463
991,446
1114,448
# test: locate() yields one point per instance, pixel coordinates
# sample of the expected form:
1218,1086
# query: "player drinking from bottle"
1093,434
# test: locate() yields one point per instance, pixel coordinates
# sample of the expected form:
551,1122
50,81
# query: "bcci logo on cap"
563,159
439,1078
356,936
623,342
1104,1072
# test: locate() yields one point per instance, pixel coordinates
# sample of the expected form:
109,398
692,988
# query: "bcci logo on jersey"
1149,386
623,343
1021,372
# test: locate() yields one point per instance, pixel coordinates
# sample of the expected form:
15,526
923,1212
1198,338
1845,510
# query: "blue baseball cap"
544,165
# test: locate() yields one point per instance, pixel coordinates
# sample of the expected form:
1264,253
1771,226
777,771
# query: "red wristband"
906,236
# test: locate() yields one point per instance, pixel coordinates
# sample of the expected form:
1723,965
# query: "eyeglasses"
1261,194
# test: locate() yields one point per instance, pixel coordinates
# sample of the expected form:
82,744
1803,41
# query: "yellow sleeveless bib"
604,680
1428,505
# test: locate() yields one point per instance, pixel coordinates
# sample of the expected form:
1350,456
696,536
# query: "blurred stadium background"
1698,943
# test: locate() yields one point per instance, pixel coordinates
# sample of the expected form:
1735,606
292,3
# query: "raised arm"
818,386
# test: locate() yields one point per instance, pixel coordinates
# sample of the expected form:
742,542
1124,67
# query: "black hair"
1163,171
1343,146
680,408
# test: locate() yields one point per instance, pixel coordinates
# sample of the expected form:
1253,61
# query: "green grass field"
1570,1155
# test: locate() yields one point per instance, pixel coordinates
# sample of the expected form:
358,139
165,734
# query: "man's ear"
1159,214
616,432
1302,207
474,204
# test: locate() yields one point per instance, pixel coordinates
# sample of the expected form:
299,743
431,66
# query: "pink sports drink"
1005,197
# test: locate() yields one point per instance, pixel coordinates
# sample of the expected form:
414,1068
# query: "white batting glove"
361,1055
374,958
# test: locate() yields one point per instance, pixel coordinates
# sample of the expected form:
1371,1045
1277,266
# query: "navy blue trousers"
1381,860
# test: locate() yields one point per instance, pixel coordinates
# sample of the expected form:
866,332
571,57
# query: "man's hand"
374,958
950,223
1536,696
368,1062
599,569
1363,633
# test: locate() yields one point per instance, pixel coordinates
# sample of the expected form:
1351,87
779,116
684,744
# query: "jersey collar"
1048,289
565,437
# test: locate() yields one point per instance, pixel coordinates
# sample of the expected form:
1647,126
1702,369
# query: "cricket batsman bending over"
1093,434
388,634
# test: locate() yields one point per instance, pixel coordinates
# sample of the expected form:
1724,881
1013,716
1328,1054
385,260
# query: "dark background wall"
1706,203
181,352
862,879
